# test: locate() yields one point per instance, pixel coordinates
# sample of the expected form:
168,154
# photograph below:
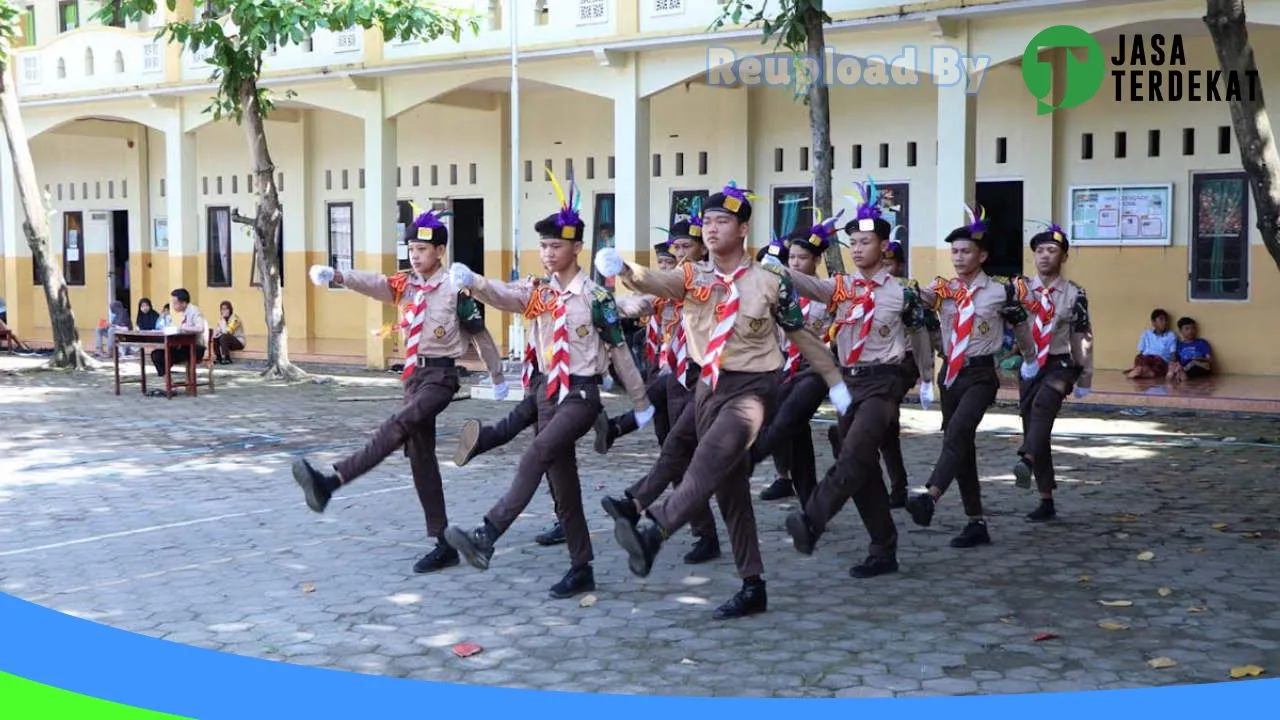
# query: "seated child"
1155,349
1194,356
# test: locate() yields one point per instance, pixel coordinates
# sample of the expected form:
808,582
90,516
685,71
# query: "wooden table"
160,339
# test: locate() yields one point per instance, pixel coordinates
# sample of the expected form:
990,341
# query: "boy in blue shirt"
1194,356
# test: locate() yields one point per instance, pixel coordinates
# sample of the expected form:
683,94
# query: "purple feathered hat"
1051,234
818,238
733,200
427,228
567,220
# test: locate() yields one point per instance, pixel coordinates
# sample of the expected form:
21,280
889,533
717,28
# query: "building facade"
644,106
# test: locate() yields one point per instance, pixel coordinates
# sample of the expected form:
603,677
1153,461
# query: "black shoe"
468,441
575,582
443,556
779,489
802,536
874,565
833,437
318,487
750,600
1043,512
476,546
1022,474
973,535
705,549
553,535
623,510
606,433
897,498
641,543
921,507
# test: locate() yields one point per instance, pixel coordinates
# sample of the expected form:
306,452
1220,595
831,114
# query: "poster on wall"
73,245
160,234
1121,215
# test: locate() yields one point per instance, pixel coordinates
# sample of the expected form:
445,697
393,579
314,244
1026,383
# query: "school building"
644,105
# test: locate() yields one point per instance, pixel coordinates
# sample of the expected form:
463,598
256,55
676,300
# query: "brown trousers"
891,451
427,392
963,406
552,454
856,474
1039,401
728,421
789,435
674,458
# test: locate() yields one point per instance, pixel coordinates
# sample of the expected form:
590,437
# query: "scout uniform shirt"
767,300
896,324
595,334
1072,329
449,312
191,320
996,301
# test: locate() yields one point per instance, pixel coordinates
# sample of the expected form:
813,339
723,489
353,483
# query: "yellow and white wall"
626,83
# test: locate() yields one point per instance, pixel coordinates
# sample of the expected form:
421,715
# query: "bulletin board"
1120,215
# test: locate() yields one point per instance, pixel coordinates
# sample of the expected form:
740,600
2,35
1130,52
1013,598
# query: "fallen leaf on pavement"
1251,535
1083,579
1164,592
1112,625
687,661
1126,518
465,649
1162,662
587,601
1006,620
308,588
1041,637
1116,603
1246,671
1219,526
1146,555
1197,609
1195,550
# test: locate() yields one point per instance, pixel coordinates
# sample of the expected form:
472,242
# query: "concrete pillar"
181,207
633,226
377,248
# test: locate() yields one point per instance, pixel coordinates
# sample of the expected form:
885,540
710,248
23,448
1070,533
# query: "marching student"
732,309
975,310
877,318
438,317
576,333
1063,337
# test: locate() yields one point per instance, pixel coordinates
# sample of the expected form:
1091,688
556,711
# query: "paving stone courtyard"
179,519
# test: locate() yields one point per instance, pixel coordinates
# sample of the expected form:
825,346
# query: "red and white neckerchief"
530,357
793,351
1042,328
679,354
414,321
861,313
728,311
961,329
558,376
653,334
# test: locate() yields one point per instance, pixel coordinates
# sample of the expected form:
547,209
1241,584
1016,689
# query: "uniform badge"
756,324
440,331
884,331
583,331
984,328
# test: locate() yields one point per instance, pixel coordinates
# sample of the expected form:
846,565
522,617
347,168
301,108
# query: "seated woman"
117,319
229,335
1194,356
1155,349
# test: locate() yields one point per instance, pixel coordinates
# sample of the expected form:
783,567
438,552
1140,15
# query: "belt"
872,370
584,379
980,361
430,362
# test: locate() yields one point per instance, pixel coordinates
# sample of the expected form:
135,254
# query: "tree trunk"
819,101
1229,30
67,352
265,224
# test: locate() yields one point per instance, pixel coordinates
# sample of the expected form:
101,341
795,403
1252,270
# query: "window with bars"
218,248
791,208
341,240
73,247
1219,245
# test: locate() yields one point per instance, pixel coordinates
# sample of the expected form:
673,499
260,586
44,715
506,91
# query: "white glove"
840,397
321,274
926,394
500,391
607,383
1030,370
609,262
771,260
461,275
1082,392
644,417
